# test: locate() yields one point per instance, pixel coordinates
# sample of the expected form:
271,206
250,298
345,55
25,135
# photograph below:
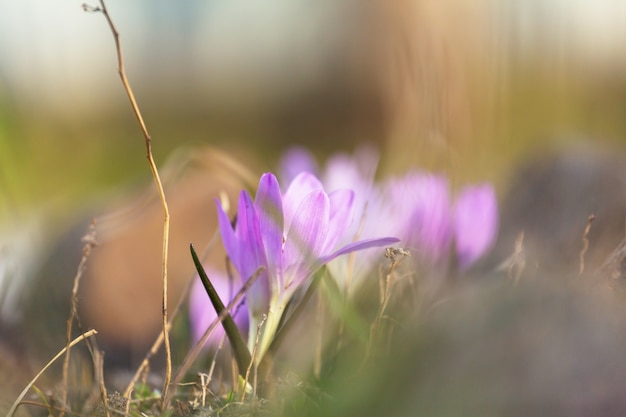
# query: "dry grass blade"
614,268
20,397
585,247
90,241
159,185
253,362
159,340
393,254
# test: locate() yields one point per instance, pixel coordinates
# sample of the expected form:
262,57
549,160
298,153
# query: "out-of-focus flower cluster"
418,208
321,216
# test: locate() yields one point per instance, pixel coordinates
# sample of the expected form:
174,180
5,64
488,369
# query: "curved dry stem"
90,241
585,248
159,340
159,185
20,397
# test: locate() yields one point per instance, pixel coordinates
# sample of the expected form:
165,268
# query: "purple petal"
252,255
306,236
341,212
299,188
202,313
475,222
430,221
269,206
351,171
229,239
296,160
360,245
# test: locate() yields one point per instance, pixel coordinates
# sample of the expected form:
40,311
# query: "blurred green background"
470,88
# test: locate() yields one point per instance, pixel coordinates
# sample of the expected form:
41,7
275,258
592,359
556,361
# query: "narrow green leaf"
242,354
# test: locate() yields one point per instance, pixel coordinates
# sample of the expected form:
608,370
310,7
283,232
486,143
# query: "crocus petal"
341,211
269,207
360,245
294,161
252,255
299,188
229,239
202,313
306,236
475,222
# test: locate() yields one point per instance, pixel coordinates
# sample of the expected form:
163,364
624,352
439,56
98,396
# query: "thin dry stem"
159,340
385,294
146,360
159,186
90,241
19,398
214,361
253,362
515,264
585,247
99,365
205,380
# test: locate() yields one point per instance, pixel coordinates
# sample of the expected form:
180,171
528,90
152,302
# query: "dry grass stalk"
161,192
585,247
143,367
90,242
614,268
253,362
393,255
19,398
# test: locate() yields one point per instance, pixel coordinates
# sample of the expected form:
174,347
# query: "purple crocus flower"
432,223
345,171
201,310
291,236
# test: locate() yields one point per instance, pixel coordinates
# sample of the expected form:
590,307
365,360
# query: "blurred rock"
550,199
495,349
121,293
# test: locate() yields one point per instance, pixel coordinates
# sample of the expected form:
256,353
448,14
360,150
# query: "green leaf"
242,354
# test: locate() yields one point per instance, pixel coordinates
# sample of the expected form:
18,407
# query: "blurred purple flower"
475,223
423,216
291,235
420,213
202,313
295,160
416,207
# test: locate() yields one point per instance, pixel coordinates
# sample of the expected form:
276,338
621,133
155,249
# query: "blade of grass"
242,354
